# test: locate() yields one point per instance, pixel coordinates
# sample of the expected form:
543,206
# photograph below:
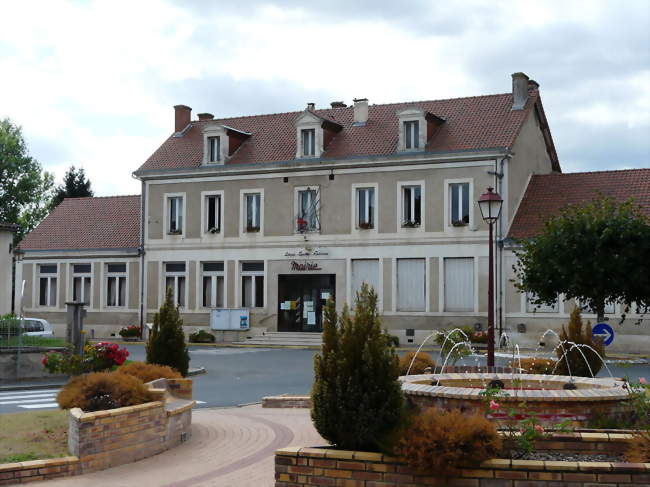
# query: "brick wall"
20,473
309,467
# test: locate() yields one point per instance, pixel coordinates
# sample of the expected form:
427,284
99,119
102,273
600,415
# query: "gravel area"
562,456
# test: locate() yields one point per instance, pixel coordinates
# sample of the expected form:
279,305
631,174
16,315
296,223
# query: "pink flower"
642,380
538,428
494,405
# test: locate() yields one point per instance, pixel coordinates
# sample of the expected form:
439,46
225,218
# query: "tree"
25,189
166,345
75,185
574,359
357,401
596,253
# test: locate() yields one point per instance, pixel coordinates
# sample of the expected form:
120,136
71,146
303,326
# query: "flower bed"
308,467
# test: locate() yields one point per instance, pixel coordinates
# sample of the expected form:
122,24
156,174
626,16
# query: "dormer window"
308,137
313,133
412,134
214,149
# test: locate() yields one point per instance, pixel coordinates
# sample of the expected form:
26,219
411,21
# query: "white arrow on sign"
605,334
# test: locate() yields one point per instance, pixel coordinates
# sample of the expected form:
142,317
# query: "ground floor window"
365,270
81,282
175,280
213,285
459,284
411,284
47,274
116,285
252,284
531,307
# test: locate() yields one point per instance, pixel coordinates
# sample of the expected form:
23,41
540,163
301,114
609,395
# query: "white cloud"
93,83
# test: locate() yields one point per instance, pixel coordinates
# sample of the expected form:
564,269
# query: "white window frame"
307,121
298,207
448,223
204,214
425,308
308,135
475,277
116,275
413,114
175,275
214,277
166,209
243,212
254,275
355,205
400,206
214,153
412,139
215,130
83,276
49,276
530,308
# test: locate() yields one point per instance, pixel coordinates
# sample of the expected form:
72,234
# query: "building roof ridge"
596,172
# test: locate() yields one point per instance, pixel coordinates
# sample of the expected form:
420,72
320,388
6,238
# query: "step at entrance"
285,339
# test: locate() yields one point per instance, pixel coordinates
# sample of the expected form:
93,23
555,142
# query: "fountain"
551,398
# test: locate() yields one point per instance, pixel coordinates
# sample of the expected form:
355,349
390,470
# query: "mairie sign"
604,331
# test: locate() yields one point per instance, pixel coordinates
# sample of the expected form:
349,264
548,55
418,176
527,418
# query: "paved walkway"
230,447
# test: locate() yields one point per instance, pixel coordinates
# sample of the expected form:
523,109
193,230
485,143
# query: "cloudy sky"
93,82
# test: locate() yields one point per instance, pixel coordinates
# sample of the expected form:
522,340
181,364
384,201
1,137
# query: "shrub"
450,339
443,441
148,372
202,336
130,331
357,402
103,390
579,333
535,365
96,358
9,326
422,361
639,448
166,345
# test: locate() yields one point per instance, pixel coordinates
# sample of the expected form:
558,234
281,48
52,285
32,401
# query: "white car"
37,327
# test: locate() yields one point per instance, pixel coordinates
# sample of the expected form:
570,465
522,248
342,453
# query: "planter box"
309,467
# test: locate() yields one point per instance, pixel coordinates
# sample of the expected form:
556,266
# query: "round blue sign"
604,331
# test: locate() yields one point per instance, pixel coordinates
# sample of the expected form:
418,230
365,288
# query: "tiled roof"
88,223
547,194
10,227
482,122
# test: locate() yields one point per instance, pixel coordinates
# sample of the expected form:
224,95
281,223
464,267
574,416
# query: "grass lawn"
32,341
33,435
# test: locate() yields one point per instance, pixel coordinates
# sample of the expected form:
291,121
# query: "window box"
459,224
366,226
175,232
214,230
252,229
410,224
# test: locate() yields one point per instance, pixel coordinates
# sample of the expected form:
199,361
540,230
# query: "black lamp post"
490,206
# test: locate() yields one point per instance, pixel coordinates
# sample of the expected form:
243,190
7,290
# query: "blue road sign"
604,331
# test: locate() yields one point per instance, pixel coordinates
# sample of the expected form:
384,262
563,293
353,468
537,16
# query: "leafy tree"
75,185
357,399
166,345
25,189
596,253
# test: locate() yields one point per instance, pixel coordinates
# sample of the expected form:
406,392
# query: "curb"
196,371
18,387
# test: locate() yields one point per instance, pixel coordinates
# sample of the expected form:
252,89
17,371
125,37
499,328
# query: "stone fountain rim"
609,389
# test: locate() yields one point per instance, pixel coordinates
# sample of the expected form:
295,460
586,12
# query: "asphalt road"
238,376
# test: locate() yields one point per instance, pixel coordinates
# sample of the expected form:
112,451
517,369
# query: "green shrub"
422,361
534,365
148,372
9,326
441,442
579,333
357,402
166,345
202,336
450,339
98,391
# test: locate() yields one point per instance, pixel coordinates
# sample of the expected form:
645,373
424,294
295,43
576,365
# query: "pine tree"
357,402
75,185
576,334
166,345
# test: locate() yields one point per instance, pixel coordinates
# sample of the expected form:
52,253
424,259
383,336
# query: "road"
238,376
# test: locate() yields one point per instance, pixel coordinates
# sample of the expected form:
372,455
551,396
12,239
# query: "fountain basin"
543,395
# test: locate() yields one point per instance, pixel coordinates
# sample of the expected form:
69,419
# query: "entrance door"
302,299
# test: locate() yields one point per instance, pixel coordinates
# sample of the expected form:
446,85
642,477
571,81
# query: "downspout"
499,174
141,253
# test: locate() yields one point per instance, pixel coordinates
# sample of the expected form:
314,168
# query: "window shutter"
459,284
365,270
411,291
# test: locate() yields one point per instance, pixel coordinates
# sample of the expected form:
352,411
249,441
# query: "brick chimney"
360,111
182,117
519,91
205,116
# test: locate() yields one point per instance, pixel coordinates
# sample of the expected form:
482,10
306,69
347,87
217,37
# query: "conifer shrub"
357,401
166,345
441,442
579,333
534,365
421,362
202,336
148,372
98,391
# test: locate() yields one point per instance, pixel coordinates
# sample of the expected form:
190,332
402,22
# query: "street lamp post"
490,206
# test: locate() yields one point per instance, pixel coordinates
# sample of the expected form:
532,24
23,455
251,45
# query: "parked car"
37,327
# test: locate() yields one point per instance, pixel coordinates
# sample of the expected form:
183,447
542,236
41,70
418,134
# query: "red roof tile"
547,194
481,122
88,223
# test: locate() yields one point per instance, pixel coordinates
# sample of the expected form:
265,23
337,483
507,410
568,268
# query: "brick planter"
309,467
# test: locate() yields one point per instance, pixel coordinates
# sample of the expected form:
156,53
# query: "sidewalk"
230,447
